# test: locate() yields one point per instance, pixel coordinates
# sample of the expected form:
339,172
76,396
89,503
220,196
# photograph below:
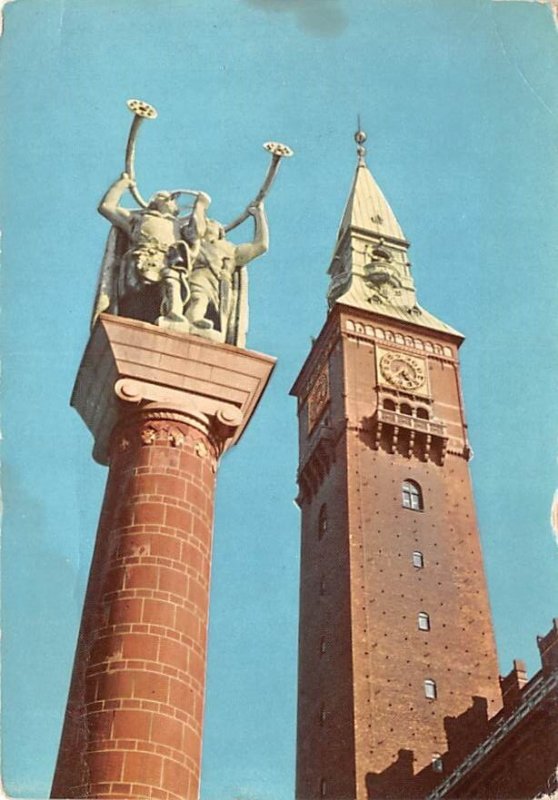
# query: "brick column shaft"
162,407
134,720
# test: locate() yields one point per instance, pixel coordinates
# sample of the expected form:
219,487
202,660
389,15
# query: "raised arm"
194,229
260,244
109,206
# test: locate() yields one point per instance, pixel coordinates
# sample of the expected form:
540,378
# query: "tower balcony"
396,418
409,435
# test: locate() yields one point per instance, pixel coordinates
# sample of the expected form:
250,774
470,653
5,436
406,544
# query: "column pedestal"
163,408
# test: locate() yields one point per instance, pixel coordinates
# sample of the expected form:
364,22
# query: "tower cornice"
335,328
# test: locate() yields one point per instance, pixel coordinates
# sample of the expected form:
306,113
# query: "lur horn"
278,151
141,110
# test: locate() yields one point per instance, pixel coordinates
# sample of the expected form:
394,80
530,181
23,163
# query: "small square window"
423,621
418,559
430,689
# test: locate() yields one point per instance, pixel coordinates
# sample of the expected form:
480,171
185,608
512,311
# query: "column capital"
131,366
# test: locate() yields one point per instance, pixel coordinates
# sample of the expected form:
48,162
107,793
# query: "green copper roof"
370,269
367,207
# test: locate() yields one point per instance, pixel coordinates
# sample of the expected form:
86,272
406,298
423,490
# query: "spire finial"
360,138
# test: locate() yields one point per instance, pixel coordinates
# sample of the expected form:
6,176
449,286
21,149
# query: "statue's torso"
152,238
218,255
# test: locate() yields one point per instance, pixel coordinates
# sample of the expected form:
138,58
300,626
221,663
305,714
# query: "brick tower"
396,640
162,408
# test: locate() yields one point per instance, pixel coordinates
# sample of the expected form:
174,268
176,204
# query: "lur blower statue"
171,265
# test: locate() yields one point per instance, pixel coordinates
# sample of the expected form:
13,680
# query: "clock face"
402,371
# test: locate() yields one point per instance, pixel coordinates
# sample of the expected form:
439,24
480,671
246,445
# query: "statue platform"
128,362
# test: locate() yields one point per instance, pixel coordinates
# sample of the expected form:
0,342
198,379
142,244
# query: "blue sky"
460,103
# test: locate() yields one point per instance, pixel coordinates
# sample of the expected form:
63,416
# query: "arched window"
422,413
423,621
418,559
411,496
405,408
430,689
322,522
388,404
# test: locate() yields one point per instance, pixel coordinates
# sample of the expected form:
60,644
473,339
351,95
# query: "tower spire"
370,268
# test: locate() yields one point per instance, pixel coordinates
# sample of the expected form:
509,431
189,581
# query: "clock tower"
396,643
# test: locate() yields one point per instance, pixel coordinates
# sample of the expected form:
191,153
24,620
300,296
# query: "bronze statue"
218,281
173,270
153,271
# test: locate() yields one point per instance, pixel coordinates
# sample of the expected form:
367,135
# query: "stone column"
133,726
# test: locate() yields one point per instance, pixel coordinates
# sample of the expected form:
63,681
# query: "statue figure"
217,306
173,269
145,272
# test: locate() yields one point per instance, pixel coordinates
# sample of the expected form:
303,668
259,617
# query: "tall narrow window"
430,689
322,522
437,763
423,621
323,645
411,496
323,788
418,559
